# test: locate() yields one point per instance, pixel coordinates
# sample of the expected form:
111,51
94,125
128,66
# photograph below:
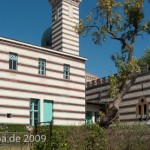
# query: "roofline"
40,48
92,75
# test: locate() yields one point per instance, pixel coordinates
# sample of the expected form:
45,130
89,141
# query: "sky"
26,21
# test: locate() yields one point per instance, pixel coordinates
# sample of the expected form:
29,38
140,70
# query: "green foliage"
114,83
124,72
119,18
133,12
92,137
95,139
122,21
74,137
128,137
145,60
146,27
12,128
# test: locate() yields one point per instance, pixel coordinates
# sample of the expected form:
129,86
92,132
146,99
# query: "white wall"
17,87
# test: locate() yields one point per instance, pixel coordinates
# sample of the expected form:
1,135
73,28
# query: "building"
45,83
135,107
89,77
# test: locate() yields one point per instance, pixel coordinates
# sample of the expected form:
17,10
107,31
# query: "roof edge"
40,48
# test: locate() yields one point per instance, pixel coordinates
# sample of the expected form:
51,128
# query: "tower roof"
46,40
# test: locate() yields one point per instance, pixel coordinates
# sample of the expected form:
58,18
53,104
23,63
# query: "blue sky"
27,20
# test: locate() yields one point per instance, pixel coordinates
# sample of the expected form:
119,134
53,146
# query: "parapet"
97,82
105,80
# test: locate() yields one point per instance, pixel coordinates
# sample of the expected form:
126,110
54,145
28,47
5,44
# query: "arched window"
142,109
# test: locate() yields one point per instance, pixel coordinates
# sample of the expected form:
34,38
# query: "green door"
48,110
88,117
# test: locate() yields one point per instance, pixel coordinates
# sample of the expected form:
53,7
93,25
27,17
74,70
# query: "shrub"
127,137
90,137
12,128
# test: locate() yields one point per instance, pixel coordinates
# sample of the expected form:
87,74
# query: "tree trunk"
110,117
112,112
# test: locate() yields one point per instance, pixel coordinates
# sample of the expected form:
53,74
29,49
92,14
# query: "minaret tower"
65,16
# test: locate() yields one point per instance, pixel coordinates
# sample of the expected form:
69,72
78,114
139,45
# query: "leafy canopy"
145,60
122,21
112,17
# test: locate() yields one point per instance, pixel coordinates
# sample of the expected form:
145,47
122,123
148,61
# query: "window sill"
66,79
42,75
13,70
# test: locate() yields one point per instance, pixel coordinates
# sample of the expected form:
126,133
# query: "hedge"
90,137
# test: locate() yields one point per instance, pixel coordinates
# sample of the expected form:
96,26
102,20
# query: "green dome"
46,40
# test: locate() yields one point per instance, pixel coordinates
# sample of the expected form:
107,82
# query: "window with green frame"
42,66
66,71
34,111
13,60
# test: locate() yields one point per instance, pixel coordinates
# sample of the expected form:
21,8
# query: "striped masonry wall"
99,94
17,87
65,16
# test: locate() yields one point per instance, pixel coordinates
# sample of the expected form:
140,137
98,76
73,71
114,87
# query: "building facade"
90,77
134,108
41,84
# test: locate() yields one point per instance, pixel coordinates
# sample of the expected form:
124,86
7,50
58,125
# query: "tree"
121,21
145,59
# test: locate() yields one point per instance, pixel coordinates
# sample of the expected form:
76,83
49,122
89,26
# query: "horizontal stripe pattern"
24,92
11,106
96,93
72,104
36,59
67,111
28,99
51,70
37,92
14,115
38,84
39,76
27,83
127,110
14,98
59,26
75,119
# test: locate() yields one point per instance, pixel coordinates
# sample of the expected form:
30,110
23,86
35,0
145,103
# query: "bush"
12,128
127,137
90,137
